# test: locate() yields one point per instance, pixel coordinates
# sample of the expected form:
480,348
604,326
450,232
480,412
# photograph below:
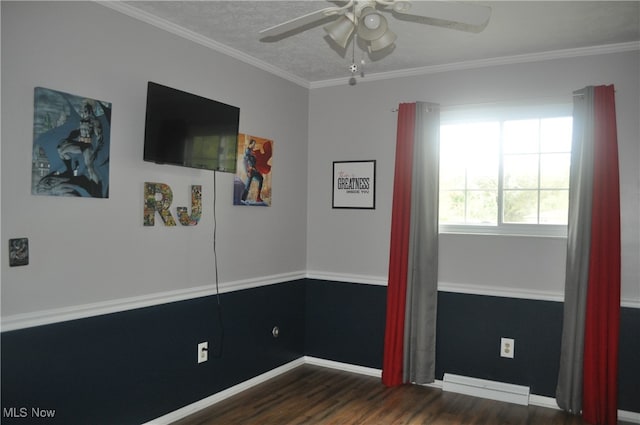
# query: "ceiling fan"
366,20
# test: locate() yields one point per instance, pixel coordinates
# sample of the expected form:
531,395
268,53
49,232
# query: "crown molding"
483,63
151,19
163,24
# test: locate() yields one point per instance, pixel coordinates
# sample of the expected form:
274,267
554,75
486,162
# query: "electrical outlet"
203,352
507,347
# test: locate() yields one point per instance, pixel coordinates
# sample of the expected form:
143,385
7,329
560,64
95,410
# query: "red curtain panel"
602,322
399,248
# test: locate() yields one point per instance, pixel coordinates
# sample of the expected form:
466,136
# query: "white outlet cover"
507,347
203,352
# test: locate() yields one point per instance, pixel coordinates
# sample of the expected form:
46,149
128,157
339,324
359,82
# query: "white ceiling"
517,31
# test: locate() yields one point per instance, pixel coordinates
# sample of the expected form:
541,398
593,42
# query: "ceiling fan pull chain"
354,67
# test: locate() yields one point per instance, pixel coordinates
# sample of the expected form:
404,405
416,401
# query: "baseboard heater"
483,388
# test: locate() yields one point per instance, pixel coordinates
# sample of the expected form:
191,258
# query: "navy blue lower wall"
134,366
629,360
345,322
469,329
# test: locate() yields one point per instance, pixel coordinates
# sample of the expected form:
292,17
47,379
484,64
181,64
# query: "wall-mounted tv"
189,130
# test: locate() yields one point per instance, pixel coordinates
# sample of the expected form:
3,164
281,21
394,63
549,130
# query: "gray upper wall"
357,122
86,252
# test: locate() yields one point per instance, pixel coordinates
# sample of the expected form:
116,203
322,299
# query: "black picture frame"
354,185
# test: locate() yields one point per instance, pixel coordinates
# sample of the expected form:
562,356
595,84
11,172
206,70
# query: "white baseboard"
543,401
627,416
550,402
330,364
535,400
222,395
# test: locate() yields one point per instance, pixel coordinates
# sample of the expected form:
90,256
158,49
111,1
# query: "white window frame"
502,112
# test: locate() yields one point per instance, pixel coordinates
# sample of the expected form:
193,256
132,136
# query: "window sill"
559,232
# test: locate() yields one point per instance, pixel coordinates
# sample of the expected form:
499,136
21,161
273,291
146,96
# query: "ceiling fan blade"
300,21
461,16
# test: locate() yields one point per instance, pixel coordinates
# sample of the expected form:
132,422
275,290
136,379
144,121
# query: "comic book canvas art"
71,136
252,182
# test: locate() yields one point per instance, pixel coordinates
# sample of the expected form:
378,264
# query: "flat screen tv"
189,130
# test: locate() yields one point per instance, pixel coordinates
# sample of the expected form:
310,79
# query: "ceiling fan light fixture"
372,24
371,21
340,30
387,39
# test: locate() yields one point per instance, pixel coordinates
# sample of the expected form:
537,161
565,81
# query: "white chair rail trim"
45,317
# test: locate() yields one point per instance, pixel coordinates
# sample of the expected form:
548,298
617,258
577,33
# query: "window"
505,171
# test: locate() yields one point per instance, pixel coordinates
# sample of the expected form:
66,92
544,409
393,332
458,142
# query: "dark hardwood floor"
312,395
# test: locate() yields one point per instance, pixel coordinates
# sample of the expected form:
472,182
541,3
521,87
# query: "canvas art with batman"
71,140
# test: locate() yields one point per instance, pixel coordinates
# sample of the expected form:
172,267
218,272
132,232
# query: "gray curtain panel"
422,273
569,387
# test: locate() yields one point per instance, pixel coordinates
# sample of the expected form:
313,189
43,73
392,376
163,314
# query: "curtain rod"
537,100
556,99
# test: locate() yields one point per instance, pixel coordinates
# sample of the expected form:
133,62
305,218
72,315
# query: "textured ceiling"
516,31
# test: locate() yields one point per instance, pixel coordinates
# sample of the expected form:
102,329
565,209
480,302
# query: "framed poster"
71,142
354,184
252,182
